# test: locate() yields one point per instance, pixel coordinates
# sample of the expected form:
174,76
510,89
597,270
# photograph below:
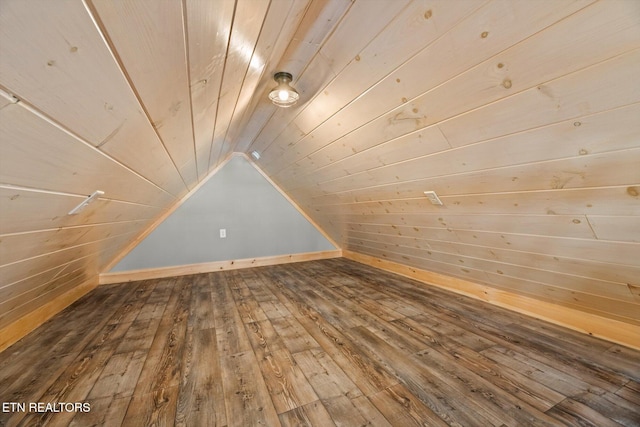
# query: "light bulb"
283,95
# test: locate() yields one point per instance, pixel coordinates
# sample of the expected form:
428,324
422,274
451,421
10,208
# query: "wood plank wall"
138,99
521,115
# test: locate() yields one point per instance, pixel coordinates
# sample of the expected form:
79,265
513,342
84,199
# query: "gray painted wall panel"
258,220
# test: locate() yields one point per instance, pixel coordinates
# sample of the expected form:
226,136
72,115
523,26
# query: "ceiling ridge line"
101,29
285,50
244,78
301,73
224,69
381,79
185,38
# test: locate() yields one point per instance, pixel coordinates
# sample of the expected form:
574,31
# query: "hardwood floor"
319,343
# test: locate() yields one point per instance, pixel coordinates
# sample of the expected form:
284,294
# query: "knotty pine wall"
522,115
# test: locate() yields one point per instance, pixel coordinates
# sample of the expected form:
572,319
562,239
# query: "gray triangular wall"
259,222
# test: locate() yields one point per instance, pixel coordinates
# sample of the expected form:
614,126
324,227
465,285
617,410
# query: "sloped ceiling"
523,116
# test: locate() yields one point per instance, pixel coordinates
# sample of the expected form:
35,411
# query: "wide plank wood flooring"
319,343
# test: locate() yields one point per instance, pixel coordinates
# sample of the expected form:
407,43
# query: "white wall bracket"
433,198
86,202
9,96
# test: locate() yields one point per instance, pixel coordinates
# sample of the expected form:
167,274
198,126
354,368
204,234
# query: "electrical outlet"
223,233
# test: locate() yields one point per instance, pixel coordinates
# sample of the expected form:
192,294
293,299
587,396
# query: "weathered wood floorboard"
318,343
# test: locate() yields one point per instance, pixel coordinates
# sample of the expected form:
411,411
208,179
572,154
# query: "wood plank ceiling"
523,116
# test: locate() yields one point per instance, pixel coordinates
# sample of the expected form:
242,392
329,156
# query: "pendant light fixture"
283,95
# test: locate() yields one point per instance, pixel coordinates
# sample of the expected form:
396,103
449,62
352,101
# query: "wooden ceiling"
524,117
